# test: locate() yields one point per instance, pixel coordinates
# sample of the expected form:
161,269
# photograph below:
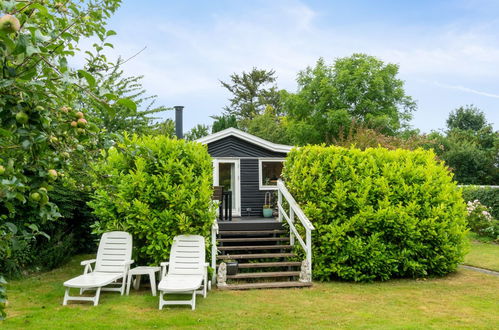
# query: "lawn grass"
465,299
483,255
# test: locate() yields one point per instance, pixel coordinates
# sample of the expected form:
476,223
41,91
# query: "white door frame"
236,208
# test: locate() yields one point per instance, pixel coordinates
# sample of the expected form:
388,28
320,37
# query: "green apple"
35,196
82,122
53,174
22,117
9,24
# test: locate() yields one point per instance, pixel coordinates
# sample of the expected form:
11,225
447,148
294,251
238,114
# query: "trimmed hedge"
487,196
378,214
154,188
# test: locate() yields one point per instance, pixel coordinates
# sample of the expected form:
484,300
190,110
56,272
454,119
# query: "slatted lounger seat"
112,264
187,271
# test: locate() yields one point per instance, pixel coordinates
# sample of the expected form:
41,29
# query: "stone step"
270,264
251,232
255,256
263,274
265,285
254,247
254,239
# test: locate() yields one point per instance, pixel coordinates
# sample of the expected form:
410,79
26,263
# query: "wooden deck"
250,223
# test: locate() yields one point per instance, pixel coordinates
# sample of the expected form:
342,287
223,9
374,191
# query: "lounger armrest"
164,265
87,262
88,265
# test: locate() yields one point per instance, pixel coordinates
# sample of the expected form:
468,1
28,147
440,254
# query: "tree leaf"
88,77
12,227
127,103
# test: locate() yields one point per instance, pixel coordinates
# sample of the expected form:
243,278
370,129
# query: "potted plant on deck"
267,206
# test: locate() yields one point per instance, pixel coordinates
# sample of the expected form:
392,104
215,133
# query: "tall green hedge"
154,188
486,195
378,214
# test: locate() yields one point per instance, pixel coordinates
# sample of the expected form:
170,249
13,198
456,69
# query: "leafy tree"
361,88
269,126
251,93
124,116
166,128
362,137
470,147
197,132
223,122
467,118
42,125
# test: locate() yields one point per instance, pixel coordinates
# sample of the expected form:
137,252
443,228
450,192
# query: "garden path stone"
481,270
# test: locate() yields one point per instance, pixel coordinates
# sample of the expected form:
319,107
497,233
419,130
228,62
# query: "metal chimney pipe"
179,132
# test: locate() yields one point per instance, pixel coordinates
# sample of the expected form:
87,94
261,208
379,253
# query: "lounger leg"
66,296
123,285
128,282
152,279
193,301
96,298
161,300
205,286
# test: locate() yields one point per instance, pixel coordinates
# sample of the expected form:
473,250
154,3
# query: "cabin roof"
246,137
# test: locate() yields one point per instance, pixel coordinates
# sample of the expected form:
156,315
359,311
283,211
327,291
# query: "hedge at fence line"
378,214
486,195
154,188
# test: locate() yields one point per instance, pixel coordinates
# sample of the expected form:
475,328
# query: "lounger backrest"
187,255
115,248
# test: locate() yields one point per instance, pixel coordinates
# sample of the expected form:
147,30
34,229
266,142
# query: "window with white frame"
269,171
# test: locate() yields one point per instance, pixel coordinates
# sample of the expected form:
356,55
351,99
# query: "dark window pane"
271,171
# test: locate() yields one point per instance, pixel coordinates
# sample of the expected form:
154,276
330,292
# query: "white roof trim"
247,137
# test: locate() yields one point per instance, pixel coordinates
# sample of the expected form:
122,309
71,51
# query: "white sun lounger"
112,263
187,271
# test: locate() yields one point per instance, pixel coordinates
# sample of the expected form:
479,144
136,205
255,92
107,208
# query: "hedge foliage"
487,196
378,214
154,188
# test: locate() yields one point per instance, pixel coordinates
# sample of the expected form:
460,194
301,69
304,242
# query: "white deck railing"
214,250
295,211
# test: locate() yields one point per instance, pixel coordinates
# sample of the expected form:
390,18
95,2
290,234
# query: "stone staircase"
264,255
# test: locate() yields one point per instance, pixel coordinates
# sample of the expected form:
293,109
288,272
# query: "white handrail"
214,232
294,209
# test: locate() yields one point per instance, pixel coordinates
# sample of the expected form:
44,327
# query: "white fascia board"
247,137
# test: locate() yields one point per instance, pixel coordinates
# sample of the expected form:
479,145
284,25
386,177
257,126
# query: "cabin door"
226,173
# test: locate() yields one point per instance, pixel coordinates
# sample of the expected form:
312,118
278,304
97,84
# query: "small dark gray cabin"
246,165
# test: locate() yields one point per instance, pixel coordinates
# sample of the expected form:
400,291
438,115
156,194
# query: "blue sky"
448,51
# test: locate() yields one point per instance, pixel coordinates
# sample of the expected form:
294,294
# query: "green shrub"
481,221
378,214
154,188
486,195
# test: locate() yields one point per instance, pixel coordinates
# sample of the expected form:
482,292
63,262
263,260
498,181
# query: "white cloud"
466,89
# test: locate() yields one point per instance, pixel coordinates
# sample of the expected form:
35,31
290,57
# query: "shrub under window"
378,214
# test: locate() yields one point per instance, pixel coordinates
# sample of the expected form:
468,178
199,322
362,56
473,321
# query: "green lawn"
464,299
483,255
